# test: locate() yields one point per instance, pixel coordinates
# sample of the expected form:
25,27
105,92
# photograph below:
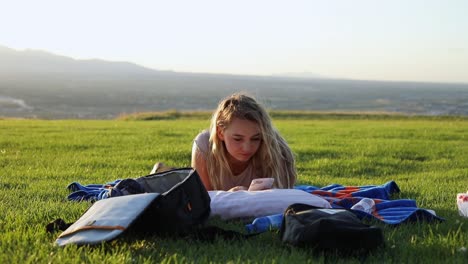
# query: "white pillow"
246,204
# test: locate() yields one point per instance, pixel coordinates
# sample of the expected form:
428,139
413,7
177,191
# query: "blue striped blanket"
388,211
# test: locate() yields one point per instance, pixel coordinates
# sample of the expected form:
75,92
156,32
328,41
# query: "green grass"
427,157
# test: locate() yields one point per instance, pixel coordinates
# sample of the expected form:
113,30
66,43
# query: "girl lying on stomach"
240,146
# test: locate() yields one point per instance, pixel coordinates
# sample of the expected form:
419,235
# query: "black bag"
184,202
328,229
171,202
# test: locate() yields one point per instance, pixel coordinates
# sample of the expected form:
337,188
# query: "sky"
396,40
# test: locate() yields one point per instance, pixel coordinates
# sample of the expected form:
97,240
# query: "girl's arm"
199,164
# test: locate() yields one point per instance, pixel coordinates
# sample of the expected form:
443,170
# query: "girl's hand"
238,188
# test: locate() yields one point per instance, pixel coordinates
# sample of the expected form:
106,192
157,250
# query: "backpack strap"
57,225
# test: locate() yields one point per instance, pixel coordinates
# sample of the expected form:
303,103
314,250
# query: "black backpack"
328,229
184,203
173,202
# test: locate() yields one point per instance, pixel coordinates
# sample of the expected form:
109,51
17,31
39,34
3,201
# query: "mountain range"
41,62
40,84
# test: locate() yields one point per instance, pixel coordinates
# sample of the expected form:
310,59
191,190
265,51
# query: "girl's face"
242,139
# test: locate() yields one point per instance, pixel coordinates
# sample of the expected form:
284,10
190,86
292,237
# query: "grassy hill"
426,157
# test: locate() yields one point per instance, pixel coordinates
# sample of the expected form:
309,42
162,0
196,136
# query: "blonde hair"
273,159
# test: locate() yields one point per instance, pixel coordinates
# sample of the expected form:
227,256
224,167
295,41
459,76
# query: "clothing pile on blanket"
388,211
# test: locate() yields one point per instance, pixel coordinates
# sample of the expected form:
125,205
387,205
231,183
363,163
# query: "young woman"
240,146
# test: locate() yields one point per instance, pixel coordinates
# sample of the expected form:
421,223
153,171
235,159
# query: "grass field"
428,158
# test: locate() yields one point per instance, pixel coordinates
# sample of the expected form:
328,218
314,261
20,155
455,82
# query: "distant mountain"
41,62
31,61
39,84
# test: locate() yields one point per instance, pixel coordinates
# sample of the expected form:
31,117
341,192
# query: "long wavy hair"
273,158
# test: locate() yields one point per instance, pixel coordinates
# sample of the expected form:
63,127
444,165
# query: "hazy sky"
417,40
